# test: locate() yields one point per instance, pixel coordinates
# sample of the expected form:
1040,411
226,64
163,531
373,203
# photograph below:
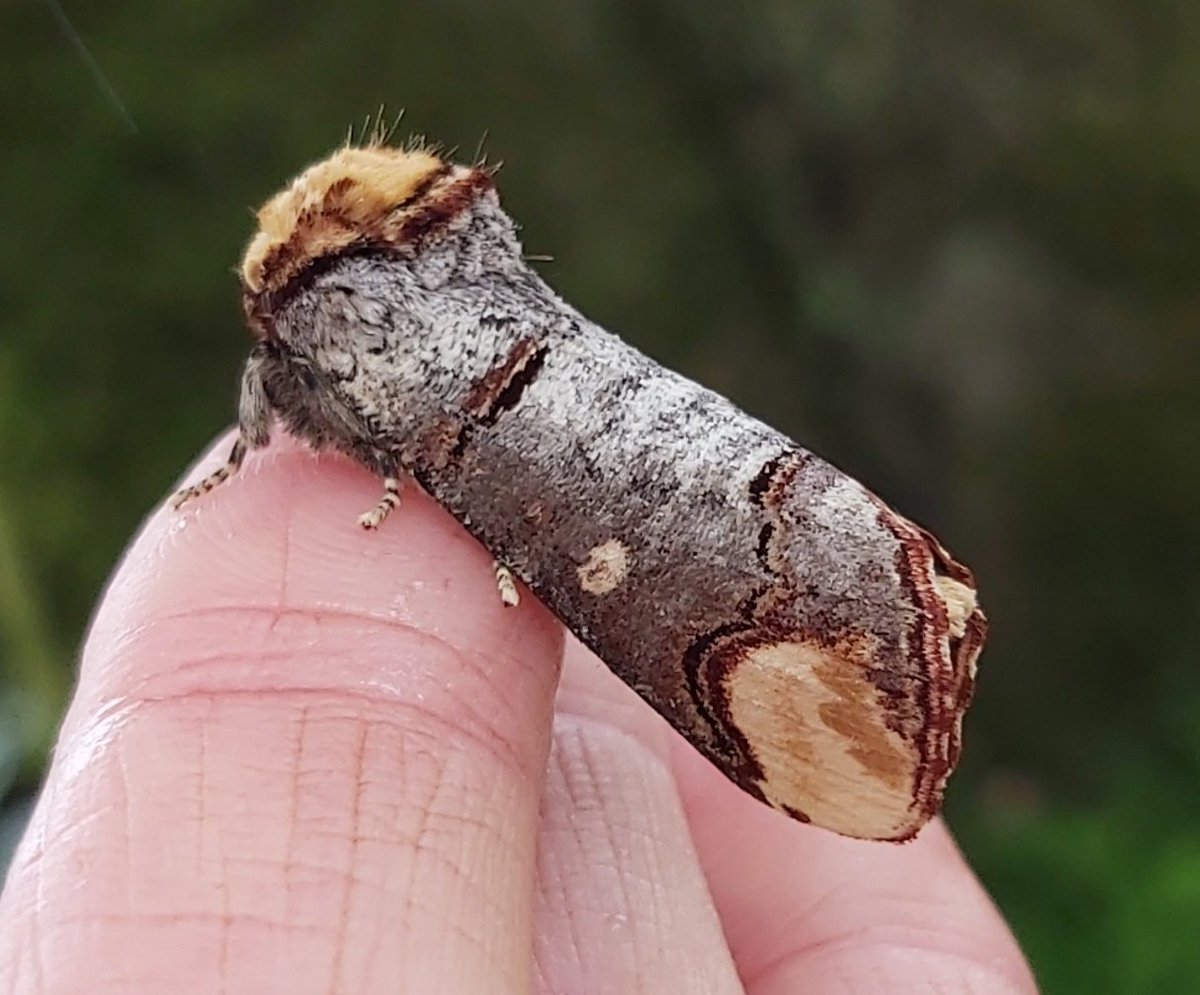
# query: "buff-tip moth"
815,645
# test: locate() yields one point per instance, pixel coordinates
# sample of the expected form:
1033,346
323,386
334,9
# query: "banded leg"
506,584
218,476
254,426
387,504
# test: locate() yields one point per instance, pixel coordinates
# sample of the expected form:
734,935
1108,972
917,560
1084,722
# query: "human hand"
302,758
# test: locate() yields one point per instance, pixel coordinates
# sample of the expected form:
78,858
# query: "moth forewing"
818,647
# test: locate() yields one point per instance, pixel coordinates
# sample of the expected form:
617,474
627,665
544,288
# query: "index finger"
300,758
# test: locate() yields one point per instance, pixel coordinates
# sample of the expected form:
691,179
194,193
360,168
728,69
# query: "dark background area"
953,250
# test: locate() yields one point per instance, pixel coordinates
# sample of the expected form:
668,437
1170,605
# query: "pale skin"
304,757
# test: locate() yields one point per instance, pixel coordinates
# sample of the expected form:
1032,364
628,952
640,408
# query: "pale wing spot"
605,567
817,729
960,603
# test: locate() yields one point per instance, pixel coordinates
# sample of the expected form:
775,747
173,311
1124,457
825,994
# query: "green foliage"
952,248
1104,900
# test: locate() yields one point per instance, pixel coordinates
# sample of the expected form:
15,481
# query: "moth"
815,645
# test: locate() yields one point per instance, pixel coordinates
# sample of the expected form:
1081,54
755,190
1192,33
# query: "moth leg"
218,476
506,584
254,430
387,504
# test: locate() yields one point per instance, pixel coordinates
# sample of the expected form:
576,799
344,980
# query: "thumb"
300,758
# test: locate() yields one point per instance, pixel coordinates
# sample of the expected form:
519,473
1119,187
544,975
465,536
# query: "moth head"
360,198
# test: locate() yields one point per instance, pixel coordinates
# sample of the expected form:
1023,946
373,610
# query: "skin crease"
302,758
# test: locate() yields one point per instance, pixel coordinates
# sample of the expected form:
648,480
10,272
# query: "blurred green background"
951,247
